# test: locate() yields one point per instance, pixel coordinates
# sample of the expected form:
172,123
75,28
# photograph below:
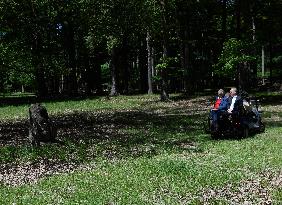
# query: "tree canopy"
118,47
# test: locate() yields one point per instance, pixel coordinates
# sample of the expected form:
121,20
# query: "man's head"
233,92
220,93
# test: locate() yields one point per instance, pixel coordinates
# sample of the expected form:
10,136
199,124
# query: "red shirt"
217,103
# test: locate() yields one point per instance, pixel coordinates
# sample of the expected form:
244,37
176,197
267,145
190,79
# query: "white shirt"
232,103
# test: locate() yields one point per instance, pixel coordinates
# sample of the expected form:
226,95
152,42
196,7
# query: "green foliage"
162,66
105,73
166,62
26,24
111,21
277,59
234,52
15,68
165,65
112,42
60,37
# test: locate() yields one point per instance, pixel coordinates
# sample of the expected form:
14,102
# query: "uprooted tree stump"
41,129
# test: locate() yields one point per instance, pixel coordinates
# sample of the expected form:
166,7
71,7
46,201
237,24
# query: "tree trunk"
39,71
124,65
143,68
164,88
41,128
184,35
88,74
40,80
150,64
224,17
253,29
262,65
98,60
71,59
254,51
270,61
238,19
113,64
185,62
238,35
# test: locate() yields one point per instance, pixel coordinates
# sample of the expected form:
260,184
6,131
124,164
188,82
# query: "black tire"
207,126
214,136
261,127
245,132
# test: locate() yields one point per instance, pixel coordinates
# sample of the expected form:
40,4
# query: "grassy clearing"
70,106
141,152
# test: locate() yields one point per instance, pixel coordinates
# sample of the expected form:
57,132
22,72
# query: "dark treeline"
68,47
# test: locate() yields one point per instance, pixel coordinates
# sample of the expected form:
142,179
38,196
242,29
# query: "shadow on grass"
114,134
271,99
27,100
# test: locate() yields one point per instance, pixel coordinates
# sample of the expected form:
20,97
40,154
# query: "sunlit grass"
70,106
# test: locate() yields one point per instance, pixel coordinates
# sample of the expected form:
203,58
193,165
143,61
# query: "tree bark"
113,64
150,64
238,19
72,88
124,65
42,91
262,64
164,87
224,17
98,60
143,68
270,60
254,52
88,75
238,35
41,128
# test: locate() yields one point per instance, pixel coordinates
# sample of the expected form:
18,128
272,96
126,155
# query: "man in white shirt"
233,94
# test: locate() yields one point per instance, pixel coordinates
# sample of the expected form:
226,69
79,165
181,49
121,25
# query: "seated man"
236,102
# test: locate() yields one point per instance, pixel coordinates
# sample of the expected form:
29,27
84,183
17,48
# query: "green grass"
160,157
277,195
165,178
16,94
70,106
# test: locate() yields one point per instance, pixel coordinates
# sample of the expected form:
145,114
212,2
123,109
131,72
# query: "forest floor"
137,150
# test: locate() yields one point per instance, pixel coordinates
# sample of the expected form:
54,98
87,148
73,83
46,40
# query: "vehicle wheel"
214,136
206,128
261,127
245,132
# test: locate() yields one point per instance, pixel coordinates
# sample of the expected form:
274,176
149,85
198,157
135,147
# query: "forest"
110,102
112,47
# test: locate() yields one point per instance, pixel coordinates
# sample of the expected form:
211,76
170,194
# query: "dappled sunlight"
142,130
145,129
